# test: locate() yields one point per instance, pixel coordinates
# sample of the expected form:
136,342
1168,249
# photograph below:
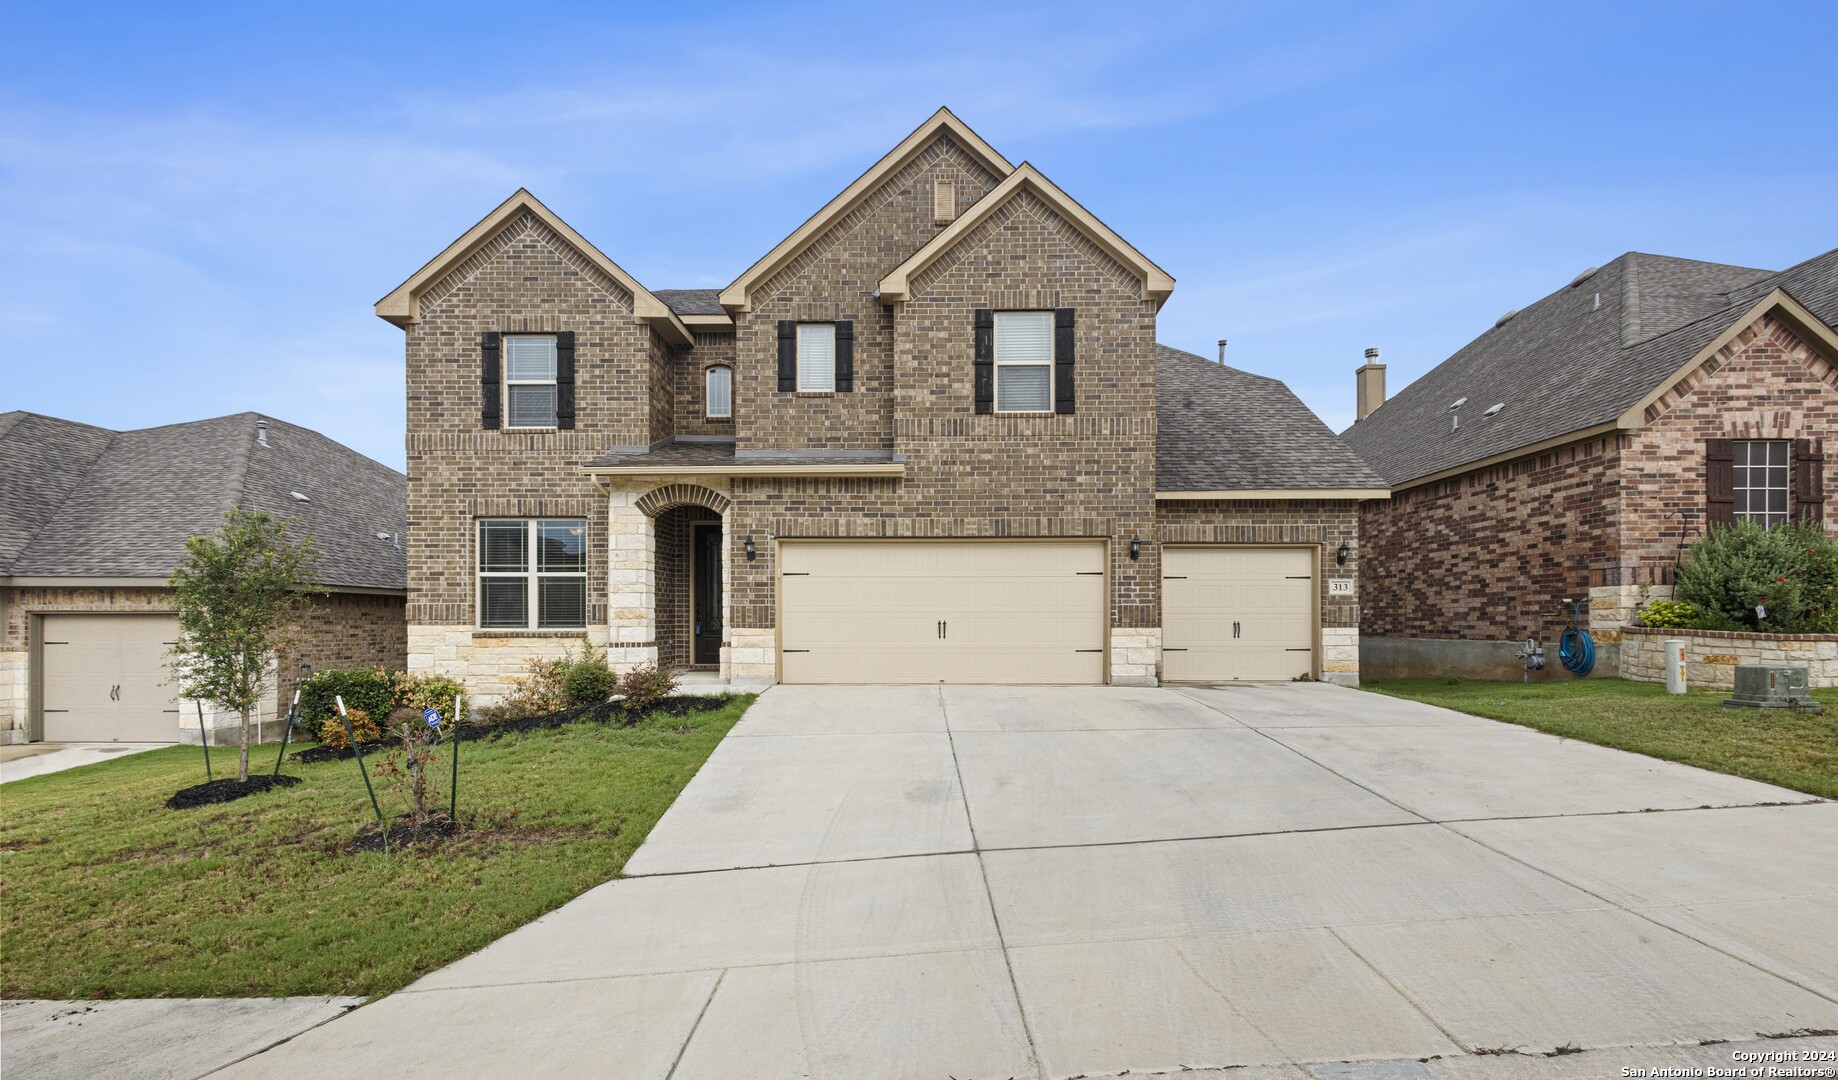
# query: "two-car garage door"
104,678
942,611
970,611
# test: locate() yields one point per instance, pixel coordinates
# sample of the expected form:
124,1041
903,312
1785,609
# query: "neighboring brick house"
1575,449
92,523
929,437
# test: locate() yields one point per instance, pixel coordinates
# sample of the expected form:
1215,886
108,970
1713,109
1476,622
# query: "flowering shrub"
1782,580
332,730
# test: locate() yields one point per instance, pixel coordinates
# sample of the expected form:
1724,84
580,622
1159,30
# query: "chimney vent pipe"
1222,350
261,433
1369,381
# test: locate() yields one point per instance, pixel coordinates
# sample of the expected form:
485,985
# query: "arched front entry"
669,577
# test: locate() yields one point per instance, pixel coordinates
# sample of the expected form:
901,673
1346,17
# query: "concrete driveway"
979,882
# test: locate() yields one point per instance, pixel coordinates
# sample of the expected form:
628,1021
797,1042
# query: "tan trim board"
738,296
1242,494
708,323
402,305
876,469
1529,449
1156,284
1779,300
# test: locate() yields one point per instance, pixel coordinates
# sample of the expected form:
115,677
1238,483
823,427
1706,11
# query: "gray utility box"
1771,686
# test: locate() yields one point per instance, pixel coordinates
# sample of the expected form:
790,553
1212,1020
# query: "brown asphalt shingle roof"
1580,357
84,501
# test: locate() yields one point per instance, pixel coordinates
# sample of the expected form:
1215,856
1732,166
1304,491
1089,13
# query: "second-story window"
1024,361
816,357
529,381
719,382
1761,482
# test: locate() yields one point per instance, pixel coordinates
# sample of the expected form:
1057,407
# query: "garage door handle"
1234,629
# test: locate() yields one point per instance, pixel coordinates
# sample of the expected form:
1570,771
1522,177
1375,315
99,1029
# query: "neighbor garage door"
1237,613
105,678
941,611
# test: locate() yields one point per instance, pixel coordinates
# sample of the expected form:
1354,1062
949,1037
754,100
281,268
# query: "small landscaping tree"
236,594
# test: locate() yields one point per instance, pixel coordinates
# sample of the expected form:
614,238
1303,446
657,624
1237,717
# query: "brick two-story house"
928,437
1576,448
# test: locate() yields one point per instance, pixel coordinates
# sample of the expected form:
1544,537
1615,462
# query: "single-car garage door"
105,678
1237,613
895,611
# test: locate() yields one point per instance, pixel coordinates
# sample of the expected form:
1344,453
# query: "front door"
705,594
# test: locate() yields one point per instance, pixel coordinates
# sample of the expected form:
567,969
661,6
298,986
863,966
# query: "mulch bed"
228,790
671,706
402,833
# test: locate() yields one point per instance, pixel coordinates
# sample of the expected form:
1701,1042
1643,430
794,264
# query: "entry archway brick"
670,496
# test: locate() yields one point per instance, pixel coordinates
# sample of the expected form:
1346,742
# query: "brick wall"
692,389
1765,384
1088,474
834,278
1488,555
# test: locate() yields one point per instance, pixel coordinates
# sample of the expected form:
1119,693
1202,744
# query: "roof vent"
382,536
1457,403
299,497
261,433
1584,276
1504,319
1493,410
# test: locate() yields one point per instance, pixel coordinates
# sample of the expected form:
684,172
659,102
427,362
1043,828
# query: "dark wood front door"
705,593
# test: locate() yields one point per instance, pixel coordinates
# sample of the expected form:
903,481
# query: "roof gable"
402,306
739,295
1155,282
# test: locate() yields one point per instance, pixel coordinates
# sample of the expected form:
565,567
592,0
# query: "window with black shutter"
490,376
1809,479
1719,482
564,380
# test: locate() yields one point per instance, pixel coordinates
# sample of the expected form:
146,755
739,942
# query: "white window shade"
1024,388
1024,336
816,356
720,391
529,359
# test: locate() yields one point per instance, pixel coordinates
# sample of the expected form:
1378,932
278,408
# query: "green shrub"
1669,614
644,687
1744,577
370,689
426,692
585,679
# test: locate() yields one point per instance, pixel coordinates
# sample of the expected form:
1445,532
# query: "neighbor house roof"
78,501
1581,359
1225,431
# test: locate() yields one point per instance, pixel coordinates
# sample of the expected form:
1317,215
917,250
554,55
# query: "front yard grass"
1792,749
106,893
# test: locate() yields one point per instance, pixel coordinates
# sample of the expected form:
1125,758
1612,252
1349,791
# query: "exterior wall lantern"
1135,548
1340,557
751,554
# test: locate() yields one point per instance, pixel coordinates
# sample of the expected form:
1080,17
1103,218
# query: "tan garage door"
941,611
105,678
1237,613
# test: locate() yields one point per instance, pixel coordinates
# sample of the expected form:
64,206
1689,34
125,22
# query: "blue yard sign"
432,717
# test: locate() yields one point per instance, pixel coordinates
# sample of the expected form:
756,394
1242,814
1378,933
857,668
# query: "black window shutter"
845,357
1719,482
564,380
1064,398
788,356
1809,479
985,361
491,346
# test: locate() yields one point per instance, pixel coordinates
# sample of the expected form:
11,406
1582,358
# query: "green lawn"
106,893
1793,750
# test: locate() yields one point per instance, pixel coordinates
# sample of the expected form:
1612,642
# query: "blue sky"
201,203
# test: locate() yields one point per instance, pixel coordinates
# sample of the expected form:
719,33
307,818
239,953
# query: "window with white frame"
719,382
1024,361
532,574
1760,481
816,357
529,381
